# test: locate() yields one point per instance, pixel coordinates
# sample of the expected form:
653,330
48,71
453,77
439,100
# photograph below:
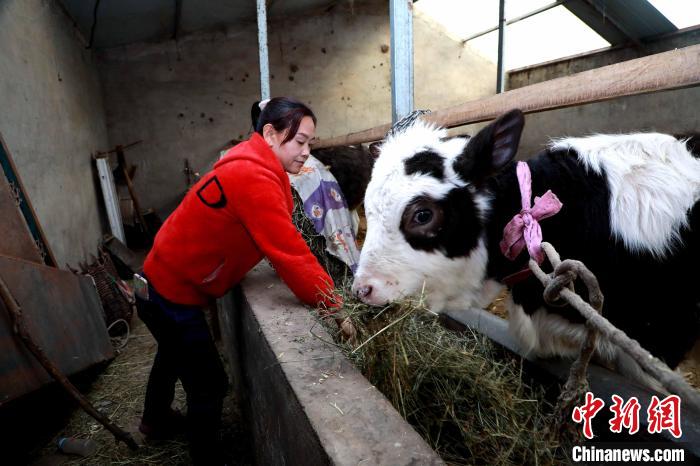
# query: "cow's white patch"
388,263
545,335
654,181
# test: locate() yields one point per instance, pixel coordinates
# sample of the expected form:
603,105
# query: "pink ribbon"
524,229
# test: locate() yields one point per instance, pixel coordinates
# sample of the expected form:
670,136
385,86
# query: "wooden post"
137,206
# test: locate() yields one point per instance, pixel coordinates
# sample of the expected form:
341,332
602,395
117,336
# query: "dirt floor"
118,393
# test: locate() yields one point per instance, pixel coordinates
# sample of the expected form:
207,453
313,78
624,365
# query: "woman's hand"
347,329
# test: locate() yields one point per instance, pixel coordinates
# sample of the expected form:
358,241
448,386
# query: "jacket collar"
255,149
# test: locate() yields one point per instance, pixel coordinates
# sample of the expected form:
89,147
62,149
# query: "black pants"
187,352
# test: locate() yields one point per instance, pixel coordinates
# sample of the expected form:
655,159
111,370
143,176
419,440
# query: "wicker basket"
112,290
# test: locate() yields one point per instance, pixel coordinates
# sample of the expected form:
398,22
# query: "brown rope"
576,386
22,331
556,289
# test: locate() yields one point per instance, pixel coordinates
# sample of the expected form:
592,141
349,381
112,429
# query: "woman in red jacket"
234,216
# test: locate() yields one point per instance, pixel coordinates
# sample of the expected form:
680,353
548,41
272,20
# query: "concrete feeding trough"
307,403
603,382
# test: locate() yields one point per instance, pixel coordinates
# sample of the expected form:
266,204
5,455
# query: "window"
550,35
682,13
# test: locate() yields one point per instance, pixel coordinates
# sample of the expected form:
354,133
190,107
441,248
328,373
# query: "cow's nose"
364,291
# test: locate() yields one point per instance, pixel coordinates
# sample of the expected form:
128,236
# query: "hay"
119,393
463,395
336,268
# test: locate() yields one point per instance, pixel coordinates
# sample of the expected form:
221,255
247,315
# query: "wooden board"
64,315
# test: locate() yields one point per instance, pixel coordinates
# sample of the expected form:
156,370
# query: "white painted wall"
186,99
52,119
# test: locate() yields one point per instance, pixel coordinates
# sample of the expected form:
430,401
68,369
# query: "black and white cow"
436,208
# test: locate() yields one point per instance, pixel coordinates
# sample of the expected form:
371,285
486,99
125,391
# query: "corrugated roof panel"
127,21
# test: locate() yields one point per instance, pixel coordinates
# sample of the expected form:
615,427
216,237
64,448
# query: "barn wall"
671,111
187,99
52,119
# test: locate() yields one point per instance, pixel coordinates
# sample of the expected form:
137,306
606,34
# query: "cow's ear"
492,148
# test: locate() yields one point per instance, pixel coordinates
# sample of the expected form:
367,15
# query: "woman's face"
294,152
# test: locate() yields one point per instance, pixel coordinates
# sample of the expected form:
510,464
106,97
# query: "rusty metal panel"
64,315
17,240
24,206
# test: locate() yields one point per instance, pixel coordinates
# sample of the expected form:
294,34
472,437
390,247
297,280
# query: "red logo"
665,415
626,415
587,412
661,414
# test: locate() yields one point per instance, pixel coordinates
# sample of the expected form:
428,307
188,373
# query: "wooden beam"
661,72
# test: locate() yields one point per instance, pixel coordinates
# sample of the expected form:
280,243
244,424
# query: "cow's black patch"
692,142
458,230
652,300
352,168
426,162
491,149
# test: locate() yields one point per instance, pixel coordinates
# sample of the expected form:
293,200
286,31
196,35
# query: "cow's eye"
422,219
423,216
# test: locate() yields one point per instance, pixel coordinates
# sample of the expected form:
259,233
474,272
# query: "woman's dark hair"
283,113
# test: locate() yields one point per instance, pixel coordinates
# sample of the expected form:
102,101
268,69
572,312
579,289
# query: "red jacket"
235,215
